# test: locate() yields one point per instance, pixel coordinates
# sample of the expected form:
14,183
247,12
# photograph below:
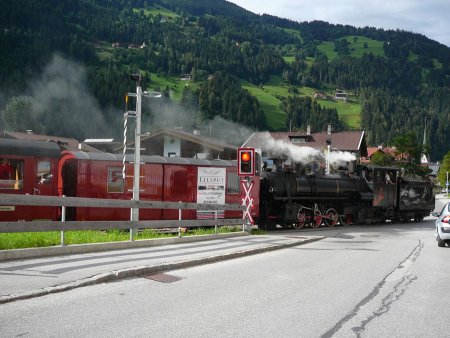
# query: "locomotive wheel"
317,221
331,217
301,219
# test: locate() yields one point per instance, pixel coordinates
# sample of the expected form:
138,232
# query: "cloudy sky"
428,17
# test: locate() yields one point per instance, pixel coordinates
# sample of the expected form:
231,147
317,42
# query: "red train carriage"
99,175
28,167
31,167
172,179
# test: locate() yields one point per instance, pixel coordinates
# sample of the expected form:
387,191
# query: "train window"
11,174
115,180
44,173
232,183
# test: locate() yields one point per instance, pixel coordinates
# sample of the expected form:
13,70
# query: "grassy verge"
44,239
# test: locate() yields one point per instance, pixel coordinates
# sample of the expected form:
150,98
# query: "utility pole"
137,145
137,150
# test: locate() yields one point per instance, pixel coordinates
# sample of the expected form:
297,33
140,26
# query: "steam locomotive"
369,195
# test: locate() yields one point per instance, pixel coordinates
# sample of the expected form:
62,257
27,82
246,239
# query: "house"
352,142
380,149
178,143
434,167
340,95
320,95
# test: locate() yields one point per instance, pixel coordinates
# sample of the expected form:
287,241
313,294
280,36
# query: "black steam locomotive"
369,195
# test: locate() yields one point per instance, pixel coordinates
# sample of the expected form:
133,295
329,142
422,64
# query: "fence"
64,202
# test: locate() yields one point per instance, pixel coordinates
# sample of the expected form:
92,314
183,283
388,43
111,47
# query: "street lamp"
137,143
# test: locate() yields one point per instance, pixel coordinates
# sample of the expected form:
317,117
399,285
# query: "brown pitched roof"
342,141
64,142
385,150
373,150
199,139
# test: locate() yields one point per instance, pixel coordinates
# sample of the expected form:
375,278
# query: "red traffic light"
245,156
246,162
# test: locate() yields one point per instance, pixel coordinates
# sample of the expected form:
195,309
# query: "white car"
443,225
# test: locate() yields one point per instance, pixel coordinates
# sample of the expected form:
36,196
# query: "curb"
143,270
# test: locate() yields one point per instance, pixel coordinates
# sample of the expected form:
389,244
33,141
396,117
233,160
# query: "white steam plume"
302,154
340,157
280,148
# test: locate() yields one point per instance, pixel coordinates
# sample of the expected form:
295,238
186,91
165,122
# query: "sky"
428,17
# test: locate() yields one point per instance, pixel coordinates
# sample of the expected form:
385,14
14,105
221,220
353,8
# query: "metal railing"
64,202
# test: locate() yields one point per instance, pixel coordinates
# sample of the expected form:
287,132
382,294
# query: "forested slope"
396,80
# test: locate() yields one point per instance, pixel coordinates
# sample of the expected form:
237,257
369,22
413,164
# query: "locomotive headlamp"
246,162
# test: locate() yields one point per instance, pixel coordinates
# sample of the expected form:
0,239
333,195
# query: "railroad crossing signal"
247,201
246,161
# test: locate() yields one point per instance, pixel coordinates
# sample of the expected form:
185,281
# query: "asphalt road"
372,281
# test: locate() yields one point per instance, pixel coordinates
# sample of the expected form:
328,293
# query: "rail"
64,202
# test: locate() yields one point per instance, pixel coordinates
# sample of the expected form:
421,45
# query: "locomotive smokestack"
329,129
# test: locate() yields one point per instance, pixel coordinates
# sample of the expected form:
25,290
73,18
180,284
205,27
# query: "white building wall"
172,146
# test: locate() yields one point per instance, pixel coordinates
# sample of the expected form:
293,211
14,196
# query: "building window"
299,139
11,173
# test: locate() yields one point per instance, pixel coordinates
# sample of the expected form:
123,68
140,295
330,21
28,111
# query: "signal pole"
137,151
137,146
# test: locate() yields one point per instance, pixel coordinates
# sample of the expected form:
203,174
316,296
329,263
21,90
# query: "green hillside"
358,45
154,10
248,68
269,95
